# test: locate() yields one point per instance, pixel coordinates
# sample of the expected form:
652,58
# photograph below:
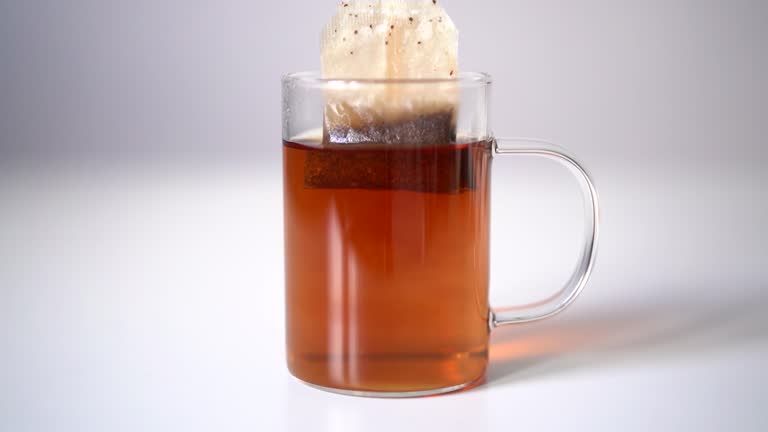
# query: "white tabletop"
149,297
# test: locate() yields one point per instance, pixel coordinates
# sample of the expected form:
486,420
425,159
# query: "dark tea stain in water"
441,169
387,264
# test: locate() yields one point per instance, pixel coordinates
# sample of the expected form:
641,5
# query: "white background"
141,226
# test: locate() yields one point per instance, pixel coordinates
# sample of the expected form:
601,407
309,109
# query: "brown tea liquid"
387,264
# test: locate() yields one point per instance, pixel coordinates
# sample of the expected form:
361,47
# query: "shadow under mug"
387,246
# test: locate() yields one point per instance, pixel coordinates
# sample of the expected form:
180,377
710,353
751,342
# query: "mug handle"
568,293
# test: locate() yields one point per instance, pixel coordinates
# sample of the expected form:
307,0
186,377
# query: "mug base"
397,395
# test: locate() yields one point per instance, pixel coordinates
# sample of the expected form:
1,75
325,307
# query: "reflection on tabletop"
600,338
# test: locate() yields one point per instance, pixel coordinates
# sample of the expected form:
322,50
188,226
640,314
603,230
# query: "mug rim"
315,78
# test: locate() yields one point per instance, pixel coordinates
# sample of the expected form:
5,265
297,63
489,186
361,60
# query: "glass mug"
387,246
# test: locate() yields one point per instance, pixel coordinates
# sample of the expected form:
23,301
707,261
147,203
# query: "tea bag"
390,39
384,123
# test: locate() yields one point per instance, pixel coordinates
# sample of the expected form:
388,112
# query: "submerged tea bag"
390,40
391,102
